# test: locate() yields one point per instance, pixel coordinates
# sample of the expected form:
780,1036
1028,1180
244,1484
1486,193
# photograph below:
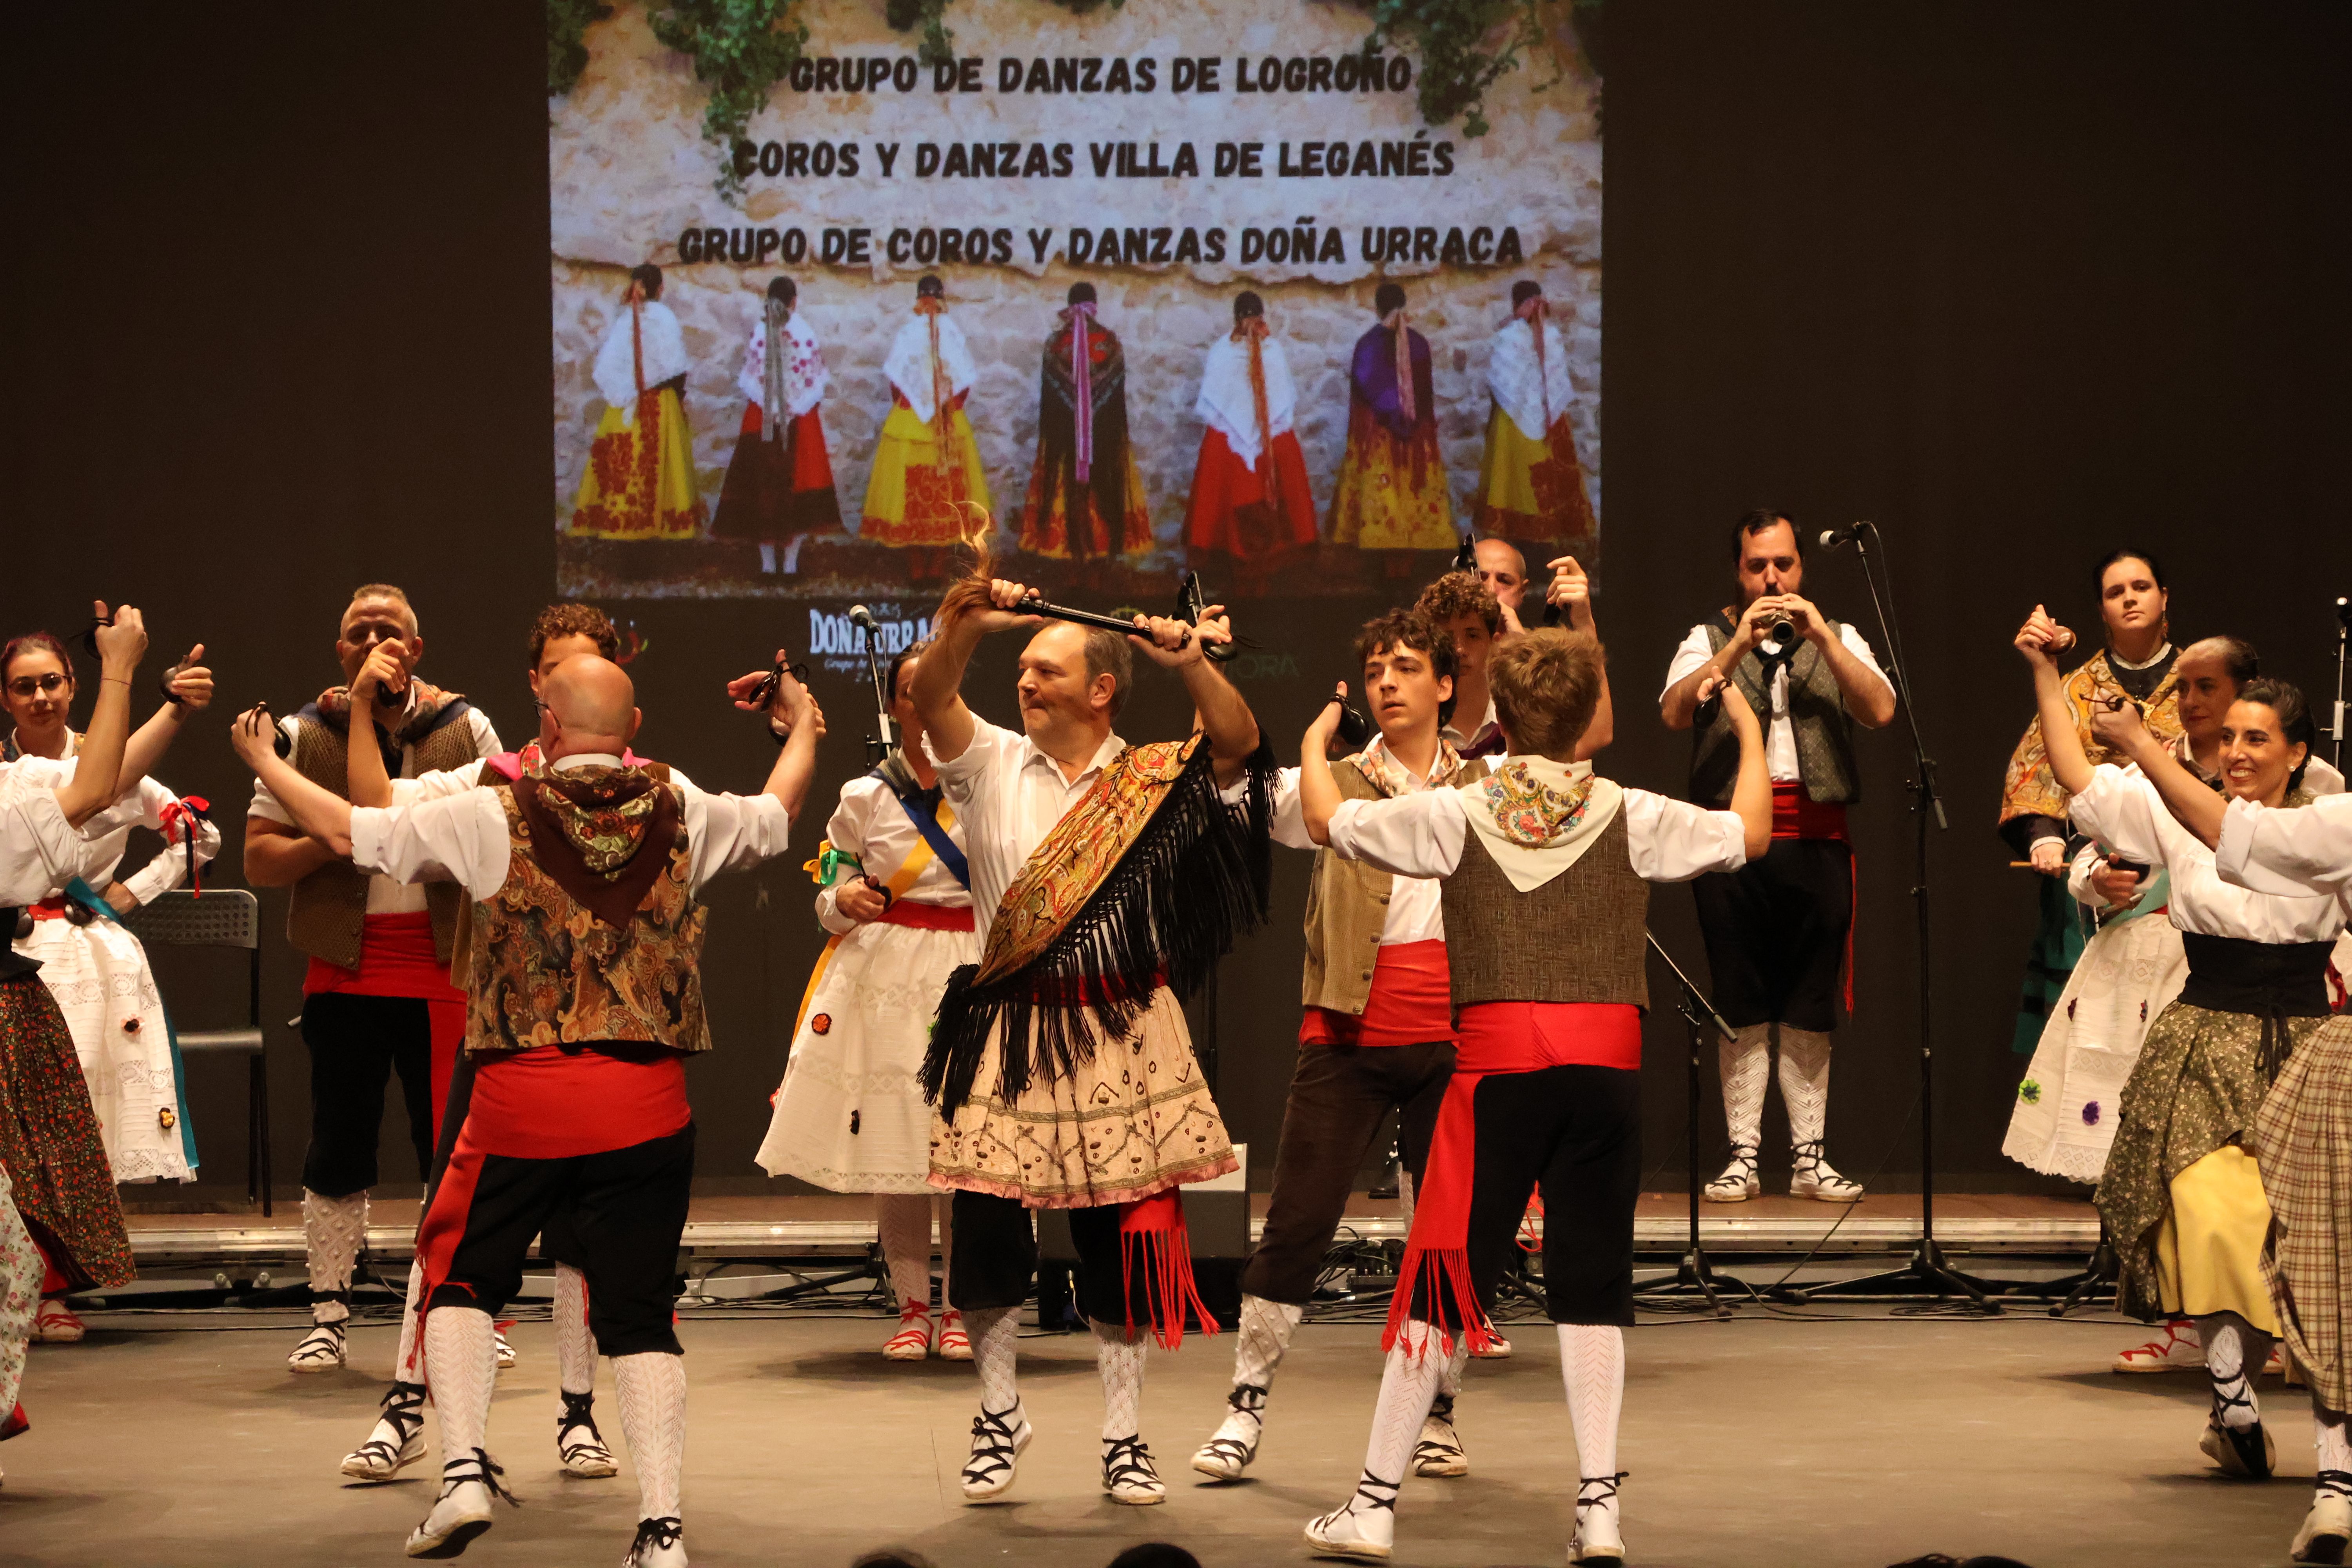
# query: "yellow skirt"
1380,503
1530,489
2208,1250
911,499
640,480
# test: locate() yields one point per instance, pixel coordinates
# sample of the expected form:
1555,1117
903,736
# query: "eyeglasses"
550,714
26,685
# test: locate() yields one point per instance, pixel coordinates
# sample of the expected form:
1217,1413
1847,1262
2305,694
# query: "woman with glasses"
94,968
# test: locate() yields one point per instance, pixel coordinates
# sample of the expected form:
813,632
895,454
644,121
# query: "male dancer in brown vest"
1376,1033
1545,871
578,1113
1776,930
377,998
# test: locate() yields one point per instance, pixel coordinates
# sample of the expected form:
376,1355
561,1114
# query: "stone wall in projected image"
631,176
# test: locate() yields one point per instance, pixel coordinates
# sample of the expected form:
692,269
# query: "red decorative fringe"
1154,1227
1451,1299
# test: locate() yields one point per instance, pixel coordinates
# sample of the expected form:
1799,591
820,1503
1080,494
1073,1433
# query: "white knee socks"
333,1231
1266,1328
995,1331
1450,1384
1593,1371
1121,1362
1805,1083
2333,1444
461,1358
576,1350
1745,1062
903,1222
2234,1352
653,1418
1408,1382
403,1366
947,1249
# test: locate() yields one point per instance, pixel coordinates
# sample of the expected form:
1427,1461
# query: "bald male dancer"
578,1116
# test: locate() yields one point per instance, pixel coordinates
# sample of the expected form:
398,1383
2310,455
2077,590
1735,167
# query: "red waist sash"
1796,814
396,959
926,917
547,1104
1410,1003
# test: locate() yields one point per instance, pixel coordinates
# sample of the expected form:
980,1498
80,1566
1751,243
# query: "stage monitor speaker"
1216,1222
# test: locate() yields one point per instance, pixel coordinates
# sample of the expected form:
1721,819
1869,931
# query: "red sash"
926,917
1410,1003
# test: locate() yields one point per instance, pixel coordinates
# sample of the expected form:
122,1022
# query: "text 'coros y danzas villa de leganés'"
1391,168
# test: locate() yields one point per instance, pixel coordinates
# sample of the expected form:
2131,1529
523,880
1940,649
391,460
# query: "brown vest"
326,910
1347,907
1817,718
1577,938
547,971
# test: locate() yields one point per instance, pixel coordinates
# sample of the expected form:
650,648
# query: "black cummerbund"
12,962
2279,979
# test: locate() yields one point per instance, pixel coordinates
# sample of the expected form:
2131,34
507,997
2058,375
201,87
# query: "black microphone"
1465,559
1837,538
859,615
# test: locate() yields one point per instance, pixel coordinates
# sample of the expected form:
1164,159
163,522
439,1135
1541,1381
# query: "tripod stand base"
2097,1277
1926,1274
1695,1276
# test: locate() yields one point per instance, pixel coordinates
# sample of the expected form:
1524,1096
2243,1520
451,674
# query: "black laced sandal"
1440,1455
2244,1451
653,1535
1226,1457
1128,1473
579,1447
1592,1491
996,1444
381,1459
457,1534
1339,1533
322,1349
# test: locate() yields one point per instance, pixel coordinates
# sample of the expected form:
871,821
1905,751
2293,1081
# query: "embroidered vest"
326,910
549,972
1817,715
1577,938
1347,907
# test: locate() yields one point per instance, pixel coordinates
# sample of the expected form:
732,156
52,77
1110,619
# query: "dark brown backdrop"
2017,281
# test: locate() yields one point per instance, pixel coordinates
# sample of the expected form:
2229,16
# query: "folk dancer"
1250,500
1392,493
927,492
1545,869
1531,485
778,484
376,999
1086,495
896,898
1110,877
2182,1194
584,1001
640,482
1778,930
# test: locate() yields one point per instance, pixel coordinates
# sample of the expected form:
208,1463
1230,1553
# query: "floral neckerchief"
1392,778
1531,813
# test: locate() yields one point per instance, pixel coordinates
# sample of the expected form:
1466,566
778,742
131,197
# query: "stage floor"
1810,1442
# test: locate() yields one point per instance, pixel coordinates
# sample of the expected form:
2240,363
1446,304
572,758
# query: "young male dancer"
1545,871
578,1113
1107,879
377,999
1377,1034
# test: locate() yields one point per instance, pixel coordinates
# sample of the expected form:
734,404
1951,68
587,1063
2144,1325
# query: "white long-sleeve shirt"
1010,794
462,837
1779,735
1422,834
2307,850
870,824
36,842
1416,911
99,845
2127,813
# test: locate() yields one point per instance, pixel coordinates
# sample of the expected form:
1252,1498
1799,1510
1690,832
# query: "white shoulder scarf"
1523,390
663,347
1536,817
804,372
1226,404
908,365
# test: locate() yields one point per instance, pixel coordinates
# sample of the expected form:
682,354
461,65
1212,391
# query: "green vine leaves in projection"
1456,66
741,49
567,41
938,43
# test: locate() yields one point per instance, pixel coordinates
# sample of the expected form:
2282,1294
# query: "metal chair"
222,917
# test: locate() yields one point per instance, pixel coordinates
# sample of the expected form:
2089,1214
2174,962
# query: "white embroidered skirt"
99,977
2065,1115
850,1116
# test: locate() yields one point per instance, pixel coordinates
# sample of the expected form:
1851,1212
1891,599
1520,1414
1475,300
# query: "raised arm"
364,778
99,765
969,611
2197,807
1226,716
191,684
788,781
1572,591
2037,639
1318,792
323,815
1751,793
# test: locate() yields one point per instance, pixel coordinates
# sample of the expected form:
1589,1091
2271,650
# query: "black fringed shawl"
1145,882
1058,435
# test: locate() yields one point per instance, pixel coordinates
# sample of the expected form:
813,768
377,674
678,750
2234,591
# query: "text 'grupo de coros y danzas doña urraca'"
1305,241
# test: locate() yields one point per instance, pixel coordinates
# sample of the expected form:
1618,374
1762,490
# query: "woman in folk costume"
640,480
2138,665
1546,873
927,492
2182,1194
1086,495
1531,485
850,1115
778,485
1392,493
54,1176
2302,1136
1250,499
96,969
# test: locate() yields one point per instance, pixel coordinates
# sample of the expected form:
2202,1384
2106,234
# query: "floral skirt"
1134,1120
2066,1113
50,1144
1046,526
914,499
776,490
1532,490
1392,494
640,481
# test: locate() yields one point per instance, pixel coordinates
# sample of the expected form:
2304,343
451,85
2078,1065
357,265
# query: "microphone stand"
2343,627
877,750
1927,1272
1694,1276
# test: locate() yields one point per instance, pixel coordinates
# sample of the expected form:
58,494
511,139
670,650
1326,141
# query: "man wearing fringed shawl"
1085,496
1545,873
1107,879
1392,493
